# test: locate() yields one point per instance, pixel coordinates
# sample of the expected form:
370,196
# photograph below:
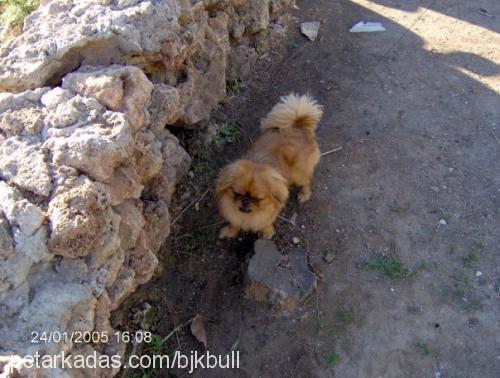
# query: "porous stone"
165,107
242,60
78,218
22,163
132,222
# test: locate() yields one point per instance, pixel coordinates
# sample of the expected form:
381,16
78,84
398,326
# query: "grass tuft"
13,12
470,260
344,317
229,133
332,359
423,349
388,266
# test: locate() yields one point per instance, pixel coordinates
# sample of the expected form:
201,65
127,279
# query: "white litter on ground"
310,29
367,27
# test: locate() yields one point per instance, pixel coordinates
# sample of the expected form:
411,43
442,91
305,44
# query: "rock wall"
87,166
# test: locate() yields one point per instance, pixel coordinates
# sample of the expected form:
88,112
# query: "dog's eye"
238,195
256,200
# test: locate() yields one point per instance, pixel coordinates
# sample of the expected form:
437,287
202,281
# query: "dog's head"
251,188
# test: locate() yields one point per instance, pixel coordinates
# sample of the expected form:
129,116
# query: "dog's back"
288,142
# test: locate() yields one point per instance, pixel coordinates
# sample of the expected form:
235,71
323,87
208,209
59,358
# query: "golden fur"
252,191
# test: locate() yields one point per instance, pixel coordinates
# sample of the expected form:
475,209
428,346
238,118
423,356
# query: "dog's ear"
226,177
279,187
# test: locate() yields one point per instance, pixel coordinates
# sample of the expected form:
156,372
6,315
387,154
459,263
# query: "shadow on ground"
415,110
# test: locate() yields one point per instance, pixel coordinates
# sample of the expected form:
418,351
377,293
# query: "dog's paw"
304,196
228,232
267,233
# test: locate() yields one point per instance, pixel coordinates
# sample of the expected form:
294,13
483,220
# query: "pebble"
295,240
443,222
479,273
328,256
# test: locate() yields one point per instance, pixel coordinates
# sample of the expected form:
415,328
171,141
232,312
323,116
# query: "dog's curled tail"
293,110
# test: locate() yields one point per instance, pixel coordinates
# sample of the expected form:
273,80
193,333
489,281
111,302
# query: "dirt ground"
409,206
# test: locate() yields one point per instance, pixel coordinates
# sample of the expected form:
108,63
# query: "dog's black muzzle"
245,205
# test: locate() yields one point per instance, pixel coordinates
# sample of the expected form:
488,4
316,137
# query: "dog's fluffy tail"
293,110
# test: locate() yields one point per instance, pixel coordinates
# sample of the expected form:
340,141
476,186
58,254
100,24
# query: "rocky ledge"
87,165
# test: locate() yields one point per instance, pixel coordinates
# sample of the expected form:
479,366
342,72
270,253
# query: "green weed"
332,359
13,12
344,317
388,266
423,349
229,133
470,260
234,86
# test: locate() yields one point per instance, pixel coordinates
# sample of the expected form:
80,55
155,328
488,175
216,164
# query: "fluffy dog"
252,191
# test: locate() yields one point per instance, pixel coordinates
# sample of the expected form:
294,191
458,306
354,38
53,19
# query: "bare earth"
416,110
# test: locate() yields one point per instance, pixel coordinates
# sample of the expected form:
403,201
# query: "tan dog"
252,191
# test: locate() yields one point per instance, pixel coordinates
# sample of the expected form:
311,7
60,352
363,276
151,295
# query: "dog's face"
249,189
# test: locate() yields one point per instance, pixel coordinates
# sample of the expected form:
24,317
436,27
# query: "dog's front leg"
229,231
267,232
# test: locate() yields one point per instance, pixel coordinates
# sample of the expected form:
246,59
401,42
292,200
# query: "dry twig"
331,151
188,206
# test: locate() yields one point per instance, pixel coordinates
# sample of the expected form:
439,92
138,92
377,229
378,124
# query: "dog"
252,191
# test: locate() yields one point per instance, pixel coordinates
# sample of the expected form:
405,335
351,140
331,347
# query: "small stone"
443,222
295,240
479,273
328,256
392,289
286,285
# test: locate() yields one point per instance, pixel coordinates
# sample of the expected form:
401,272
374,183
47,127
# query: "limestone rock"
206,76
27,216
87,147
23,163
122,287
142,260
165,107
124,184
123,89
6,242
71,309
23,122
132,222
78,218
157,226
242,60
97,30
148,154
176,162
